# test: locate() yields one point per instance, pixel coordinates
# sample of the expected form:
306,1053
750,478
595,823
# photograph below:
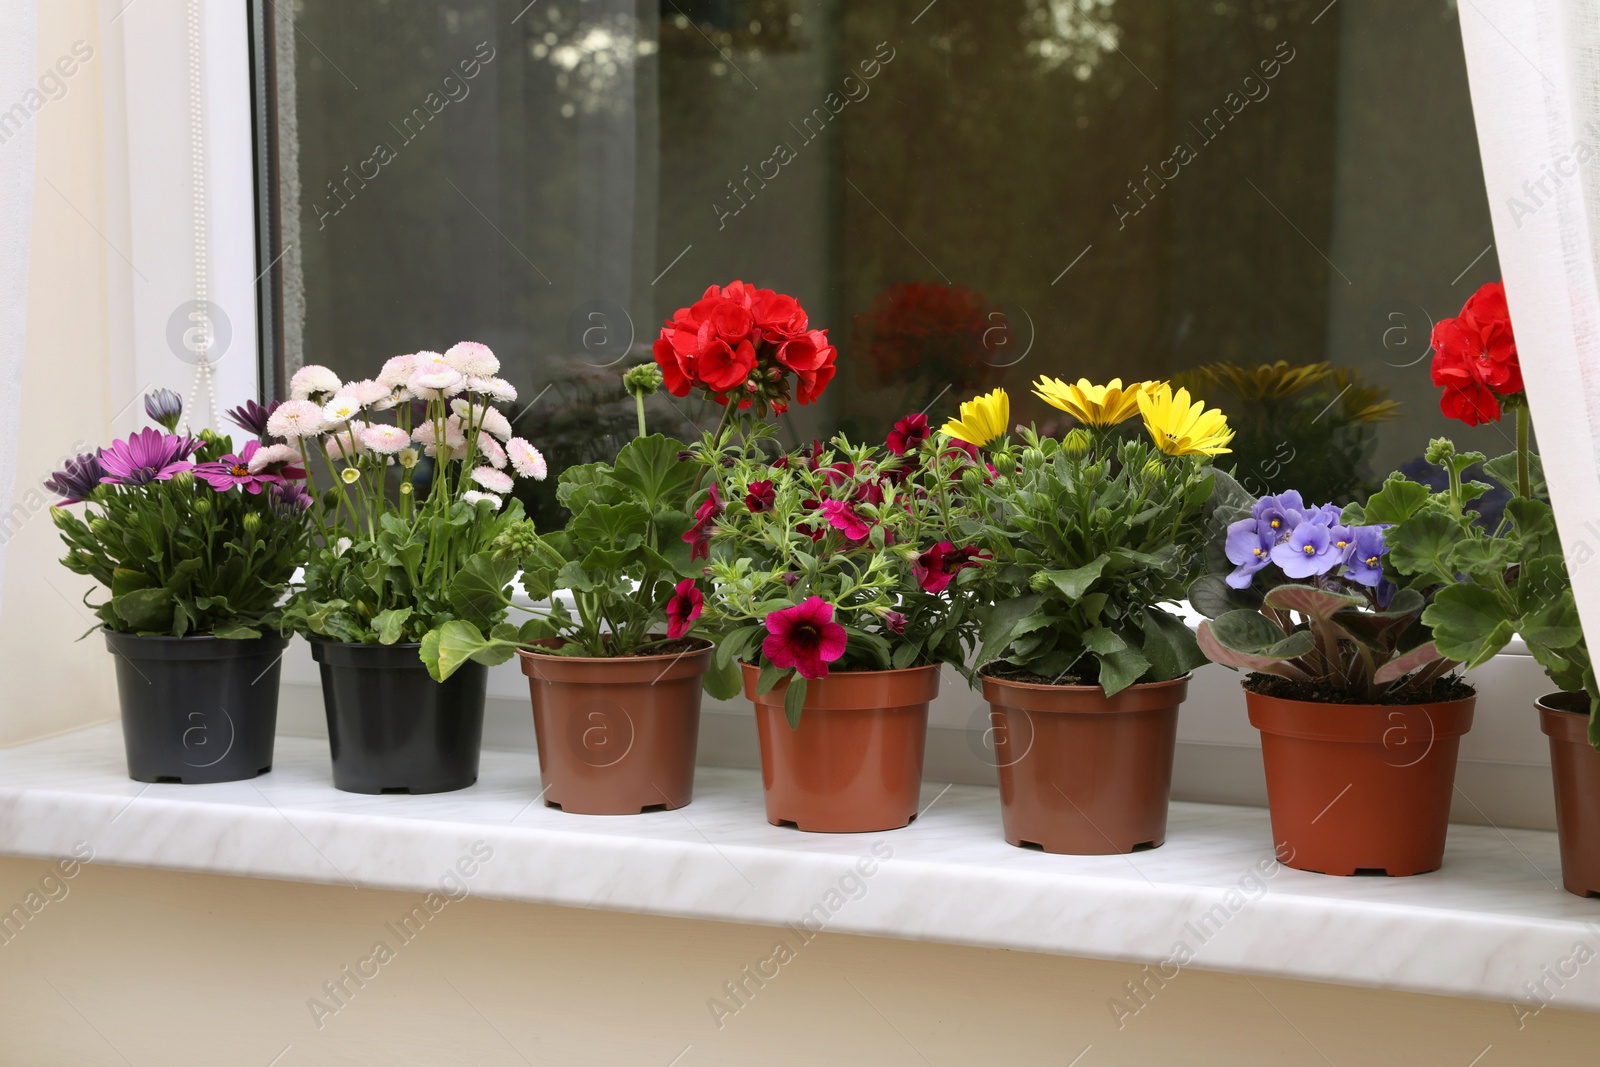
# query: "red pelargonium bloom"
910,432
804,637
726,368
842,517
938,566
1475,358
699,535
232,470
684,607
760,496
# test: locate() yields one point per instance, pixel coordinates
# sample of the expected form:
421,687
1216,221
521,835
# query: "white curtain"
1534,68
19,99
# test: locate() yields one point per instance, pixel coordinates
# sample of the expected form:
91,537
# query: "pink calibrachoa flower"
684,607
804,637
698,536
760,497
938,566
147,456
232,470
895,622
910,432
843,517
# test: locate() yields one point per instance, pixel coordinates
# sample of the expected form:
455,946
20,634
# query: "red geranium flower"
804,637
684,607
938,566
1475,358
724,368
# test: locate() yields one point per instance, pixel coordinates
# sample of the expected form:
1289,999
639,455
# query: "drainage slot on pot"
1143,846
789,823
648,808
393,789
1375,872
552,804
164,779
1031,844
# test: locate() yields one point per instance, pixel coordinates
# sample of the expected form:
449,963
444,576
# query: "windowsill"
1492,919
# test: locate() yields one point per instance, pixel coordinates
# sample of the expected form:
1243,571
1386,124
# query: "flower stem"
638,400
1524,422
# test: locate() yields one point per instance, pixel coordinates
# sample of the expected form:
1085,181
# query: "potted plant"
1360,713
614,671
195,544
1490,580
407,528
1083,667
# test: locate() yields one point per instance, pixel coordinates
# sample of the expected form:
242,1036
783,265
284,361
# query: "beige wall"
53,681
147,967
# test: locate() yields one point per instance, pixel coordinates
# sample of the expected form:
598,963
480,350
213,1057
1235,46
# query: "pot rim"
1037,687
706,645
1315,720
122,635
748,666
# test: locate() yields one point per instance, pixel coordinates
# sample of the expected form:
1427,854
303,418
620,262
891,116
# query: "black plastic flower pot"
197,709
391,727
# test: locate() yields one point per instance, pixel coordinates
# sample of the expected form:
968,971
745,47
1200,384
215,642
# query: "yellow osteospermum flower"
983,418
1181,427
1093,405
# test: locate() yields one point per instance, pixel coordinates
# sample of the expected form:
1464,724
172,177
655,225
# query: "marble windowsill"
1492,920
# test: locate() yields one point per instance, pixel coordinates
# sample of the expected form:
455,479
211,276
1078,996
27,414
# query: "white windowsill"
1493,918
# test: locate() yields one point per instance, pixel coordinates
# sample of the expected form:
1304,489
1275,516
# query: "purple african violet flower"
1249,546
232,470
164,408
1282,512
146,456
77,479
253,416
1363,558
1309,552
1325,515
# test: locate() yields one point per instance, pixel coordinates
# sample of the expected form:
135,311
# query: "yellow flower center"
1372,561
239,470
1260,552
1309,550
1276,523
1342,544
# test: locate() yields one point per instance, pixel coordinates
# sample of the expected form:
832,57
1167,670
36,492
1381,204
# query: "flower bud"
350,475
202,505
1440,451
1032,459
164,407
405,489
643,380
972,479
1154,470
1075,445
183,481
252,522
99,527
407,458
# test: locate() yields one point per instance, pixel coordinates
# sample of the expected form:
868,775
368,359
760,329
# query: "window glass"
965,195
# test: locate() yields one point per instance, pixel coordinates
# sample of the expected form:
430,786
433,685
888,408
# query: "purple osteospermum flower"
164,407
1308,552
1363,559
1249,546
146,456
1282,512
288,498
253,416
77,479
232,470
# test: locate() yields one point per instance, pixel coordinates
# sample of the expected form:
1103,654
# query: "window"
965,195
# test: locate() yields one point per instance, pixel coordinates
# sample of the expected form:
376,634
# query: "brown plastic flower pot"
1082,773
1564,717
1359,788
854,764
617,735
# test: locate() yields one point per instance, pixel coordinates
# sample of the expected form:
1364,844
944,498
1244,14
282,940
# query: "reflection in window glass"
964,195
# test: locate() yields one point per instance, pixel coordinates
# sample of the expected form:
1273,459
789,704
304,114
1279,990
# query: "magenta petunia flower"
684,607
147,456
804,637
232,470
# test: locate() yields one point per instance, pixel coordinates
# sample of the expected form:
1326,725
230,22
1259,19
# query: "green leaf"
1102,641
1485,556
794,701
770,676
1395,669
1503,469
615,525
390,624
1469,624
1309,601
1009,620
446,648
478,591
904,656
236,631
1423,545
1274,659
650,467
586,484
1076,582
1120,669
1398,500
724,680
1211,595
145,609
1169,645
125,581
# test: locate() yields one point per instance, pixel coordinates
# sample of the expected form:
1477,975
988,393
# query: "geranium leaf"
1469,623
650,467
1398,500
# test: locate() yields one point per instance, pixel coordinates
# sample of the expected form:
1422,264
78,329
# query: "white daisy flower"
454,439
341,546
472,496
296,419
472,359
272,455
393,400
341,408
433,377
313,381
398,370
483,417
496,389
490,449
492,480
340,445
385,440
526,459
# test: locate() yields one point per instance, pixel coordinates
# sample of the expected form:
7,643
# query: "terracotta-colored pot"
1564,717
854,764
616,735
1359,788
1082,773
